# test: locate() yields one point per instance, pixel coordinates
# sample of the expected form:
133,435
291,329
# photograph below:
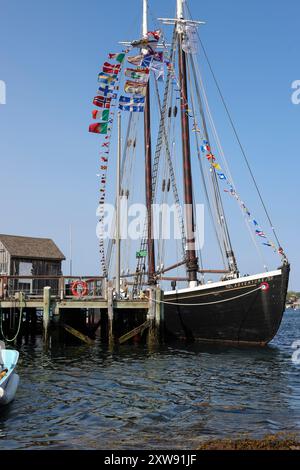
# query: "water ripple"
171,397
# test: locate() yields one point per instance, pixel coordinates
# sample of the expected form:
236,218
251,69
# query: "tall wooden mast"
191,258
148,165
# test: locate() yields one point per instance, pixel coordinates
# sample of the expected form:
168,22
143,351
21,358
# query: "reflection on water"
172,397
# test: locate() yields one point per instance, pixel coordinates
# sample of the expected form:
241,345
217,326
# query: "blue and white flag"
129,99
147,59
158,69
133,109
105,81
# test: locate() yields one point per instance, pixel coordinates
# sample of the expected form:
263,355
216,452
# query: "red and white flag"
102,102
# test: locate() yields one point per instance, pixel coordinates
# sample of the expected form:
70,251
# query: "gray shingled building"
28,256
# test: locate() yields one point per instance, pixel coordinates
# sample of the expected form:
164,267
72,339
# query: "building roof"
32,248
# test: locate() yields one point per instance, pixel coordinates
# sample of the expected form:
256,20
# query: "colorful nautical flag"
106,82
158,56
222,176
105,90
117,57
133,109
102,102
260,233
158,69
104,87
99,128
110,78
190,40
154,34
216,166
147,59
205,147
136,88
151,47
110,86
109,68
101,115
131,100
137,74
211,157
141,254
135,60
255,223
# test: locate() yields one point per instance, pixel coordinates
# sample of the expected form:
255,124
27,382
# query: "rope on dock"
8,340
205,303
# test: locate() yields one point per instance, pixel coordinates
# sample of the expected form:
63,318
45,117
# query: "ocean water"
170,397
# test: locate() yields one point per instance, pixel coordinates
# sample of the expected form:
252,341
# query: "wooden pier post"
159,313
110,312
152,304
56,313
155,315
46,311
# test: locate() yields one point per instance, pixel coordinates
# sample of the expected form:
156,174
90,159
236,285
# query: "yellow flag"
216,166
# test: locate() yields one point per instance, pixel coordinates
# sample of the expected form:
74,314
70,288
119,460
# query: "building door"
25,269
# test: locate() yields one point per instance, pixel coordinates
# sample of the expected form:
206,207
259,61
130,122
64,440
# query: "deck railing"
61,286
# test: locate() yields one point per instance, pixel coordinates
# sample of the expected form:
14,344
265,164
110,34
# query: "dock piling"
159,312
110,312
46,310
155,315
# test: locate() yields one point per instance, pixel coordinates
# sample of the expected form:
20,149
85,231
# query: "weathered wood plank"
78,335
102,304
138,330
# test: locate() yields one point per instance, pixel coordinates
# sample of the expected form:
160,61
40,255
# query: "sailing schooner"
240,309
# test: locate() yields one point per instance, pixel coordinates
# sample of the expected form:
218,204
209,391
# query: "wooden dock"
59,297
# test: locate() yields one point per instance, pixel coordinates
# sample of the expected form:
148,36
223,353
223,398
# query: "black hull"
253,318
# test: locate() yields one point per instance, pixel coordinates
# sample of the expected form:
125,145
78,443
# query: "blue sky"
50,54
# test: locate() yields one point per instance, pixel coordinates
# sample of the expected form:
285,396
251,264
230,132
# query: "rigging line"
173,178
131,127
206,303
163,135
129,173
160,139
207,138
164,198
216,189
103,258
166,177
220,148
201,168
176,171
236,134
128,241
111,240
